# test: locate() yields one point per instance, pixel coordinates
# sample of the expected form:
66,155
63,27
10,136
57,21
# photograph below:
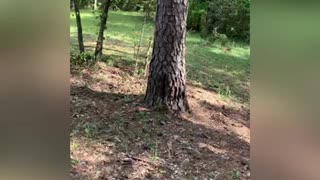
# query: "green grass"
208,65
226,72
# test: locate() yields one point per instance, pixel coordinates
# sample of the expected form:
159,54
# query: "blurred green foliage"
219,18
216,20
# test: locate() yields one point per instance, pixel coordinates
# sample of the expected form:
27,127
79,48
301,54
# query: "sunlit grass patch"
223,69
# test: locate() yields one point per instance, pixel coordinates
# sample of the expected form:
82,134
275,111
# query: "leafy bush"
85,3
85,58
197,14
225,17
135,5
215,36
230,17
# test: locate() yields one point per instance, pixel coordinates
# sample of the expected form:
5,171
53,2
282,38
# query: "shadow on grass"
225,72
119,25
148,143
222,72
132,16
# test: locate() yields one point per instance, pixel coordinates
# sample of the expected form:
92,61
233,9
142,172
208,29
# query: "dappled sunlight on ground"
240,53
211,66
115,135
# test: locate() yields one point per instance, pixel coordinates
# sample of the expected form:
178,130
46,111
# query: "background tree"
95,4
220,17
167,74
103,26
71,4
149,7
213,18
79,26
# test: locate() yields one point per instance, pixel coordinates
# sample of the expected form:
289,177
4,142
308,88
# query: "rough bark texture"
79,26
103,25
167,74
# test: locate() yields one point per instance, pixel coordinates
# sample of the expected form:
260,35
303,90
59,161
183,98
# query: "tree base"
180,105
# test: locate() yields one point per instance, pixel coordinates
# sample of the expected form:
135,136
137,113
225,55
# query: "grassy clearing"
211,66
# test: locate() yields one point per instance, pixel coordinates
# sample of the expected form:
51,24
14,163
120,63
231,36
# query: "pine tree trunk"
167,74
104,18
79,26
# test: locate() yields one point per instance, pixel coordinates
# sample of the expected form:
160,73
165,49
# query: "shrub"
197,14
85,58
228,17
135,5
215,36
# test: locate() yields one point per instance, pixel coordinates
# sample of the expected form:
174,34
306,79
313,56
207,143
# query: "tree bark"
104,18
167,74
79,26
71,4
95,4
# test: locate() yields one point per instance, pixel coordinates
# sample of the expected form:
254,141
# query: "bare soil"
114,136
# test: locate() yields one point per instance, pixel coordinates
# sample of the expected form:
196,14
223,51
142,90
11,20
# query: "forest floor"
114,136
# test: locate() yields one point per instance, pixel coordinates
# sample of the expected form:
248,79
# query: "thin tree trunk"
142,35
167,74
71,4
149,51
95,4
79,26
140,43
104,18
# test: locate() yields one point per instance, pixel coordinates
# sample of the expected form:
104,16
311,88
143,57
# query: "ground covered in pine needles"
114,136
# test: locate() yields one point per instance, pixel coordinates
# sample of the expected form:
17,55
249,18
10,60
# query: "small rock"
175,137
246,175
141,109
